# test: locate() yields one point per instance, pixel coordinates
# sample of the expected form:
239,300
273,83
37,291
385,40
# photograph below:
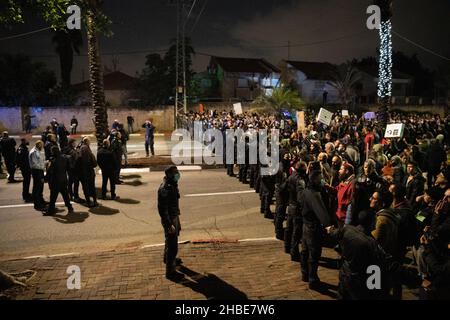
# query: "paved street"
132,220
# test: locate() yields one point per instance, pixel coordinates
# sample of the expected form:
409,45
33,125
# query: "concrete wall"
10,118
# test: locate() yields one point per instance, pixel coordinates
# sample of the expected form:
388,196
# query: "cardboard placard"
300,120
394,130
369,115
325,116
237,108
345,113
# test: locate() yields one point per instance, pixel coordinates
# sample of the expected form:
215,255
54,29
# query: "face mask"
322,182
177,177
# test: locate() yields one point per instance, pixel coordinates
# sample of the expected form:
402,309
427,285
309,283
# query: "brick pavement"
253,270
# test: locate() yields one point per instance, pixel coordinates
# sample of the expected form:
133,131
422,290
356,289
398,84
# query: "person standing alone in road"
149,137
169,211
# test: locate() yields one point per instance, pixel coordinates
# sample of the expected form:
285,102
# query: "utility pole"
180,62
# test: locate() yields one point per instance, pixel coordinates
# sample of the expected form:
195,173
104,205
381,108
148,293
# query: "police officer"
267,192
149,137
107,164
87,177
315,217
23,163
116,148
169,211
70,152
296,184
243,167
8,148
57,181
281,200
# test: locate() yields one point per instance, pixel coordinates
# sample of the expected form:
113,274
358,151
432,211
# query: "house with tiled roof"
118,89
242,78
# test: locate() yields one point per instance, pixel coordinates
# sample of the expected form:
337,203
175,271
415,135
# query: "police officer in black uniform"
267,192
8,148
23,163
296,184
169,211
116,148
281,199
108,165
57,180
315,218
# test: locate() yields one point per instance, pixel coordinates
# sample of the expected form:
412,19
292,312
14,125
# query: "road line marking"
257,239
33,257
63,254
218,193
24,205
131,170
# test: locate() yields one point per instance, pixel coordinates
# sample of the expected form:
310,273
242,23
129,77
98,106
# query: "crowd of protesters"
374,200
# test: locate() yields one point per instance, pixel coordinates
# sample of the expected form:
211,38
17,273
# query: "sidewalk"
239,270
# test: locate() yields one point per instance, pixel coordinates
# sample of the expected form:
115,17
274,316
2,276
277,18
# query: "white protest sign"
237,108
325,116
394,130
345,113
369,115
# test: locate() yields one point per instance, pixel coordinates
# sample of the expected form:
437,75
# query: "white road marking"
258,239
131,170
23,205
218,193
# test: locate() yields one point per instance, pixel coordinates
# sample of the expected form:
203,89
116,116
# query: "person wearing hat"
23,163
8,148
169,211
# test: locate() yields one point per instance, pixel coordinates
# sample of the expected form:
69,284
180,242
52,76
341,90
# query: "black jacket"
57,171
106,160
295,185
435,157
22,159
8,147
314,210
168,197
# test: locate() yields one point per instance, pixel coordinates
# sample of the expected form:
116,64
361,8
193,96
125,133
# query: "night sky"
250,28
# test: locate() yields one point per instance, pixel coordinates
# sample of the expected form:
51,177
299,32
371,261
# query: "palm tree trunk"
96,79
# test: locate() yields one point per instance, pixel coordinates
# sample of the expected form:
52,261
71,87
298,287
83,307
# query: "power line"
24,34
198,16
420,46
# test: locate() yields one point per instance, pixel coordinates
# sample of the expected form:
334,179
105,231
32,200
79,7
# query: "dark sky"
318,30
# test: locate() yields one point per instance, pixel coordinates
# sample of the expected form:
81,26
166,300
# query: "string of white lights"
385,64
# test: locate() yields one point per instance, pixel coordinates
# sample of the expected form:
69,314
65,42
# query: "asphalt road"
133,219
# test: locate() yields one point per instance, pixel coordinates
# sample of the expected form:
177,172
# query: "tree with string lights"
385,59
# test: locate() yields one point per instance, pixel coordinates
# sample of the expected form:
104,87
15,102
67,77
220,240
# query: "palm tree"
66,42
345,79
280,98
54,12
96,71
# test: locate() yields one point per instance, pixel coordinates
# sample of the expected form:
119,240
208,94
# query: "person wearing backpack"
359,251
